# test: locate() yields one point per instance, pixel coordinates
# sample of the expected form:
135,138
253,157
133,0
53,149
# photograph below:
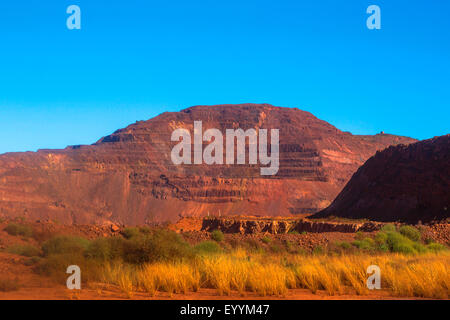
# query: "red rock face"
402,183
128,177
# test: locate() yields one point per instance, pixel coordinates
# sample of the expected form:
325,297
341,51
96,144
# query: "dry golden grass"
402,275
121,275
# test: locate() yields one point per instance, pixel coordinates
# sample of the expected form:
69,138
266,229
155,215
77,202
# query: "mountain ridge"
128,177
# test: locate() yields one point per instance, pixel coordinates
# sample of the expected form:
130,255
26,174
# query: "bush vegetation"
65,244
159,245
16,229
217,235
151,260
410,232
25,250
137,247
406,240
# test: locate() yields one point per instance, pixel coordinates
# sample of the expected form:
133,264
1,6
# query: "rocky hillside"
128,177
402,183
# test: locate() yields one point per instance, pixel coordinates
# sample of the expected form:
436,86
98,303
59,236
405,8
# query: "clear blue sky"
135,59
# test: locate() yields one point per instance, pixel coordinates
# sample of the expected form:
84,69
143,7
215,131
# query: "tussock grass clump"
17,229
165,277
332,274
224,273
172,278
271,279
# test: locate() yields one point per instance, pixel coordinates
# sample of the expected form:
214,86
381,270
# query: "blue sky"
133,60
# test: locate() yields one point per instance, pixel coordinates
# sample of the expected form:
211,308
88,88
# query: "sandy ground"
104,293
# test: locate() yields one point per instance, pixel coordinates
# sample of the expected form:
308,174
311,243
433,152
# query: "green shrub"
129,233
55,266
410,232
65,244
160,245
208,247
381,238
365,244
420,248
145,230
436,247
294,232
217,235
7,285
404,248
389,228
16,229
266,240
24,250
105,249
399,243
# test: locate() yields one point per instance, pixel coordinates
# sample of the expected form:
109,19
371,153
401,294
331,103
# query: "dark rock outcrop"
402,183
244,225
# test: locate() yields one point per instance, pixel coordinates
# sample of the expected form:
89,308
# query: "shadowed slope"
403,183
